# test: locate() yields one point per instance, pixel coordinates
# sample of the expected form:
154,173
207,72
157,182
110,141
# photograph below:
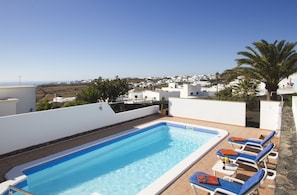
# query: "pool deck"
181,185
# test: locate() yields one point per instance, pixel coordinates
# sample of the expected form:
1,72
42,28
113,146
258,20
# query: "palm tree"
269,63
246,89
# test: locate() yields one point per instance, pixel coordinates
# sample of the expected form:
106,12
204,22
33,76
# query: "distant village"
149,89
22,98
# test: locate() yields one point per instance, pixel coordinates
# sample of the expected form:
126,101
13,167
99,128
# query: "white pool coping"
170,176
16,175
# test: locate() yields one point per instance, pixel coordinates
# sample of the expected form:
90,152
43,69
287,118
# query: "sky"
67,40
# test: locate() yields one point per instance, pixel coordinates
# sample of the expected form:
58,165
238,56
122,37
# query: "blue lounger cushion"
250,185
224,184
257,158
234,157
251,141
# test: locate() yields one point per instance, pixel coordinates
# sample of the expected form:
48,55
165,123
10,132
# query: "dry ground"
48,92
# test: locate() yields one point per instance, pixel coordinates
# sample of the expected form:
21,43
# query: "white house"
136,94
159,94
186,90
17,99
173,90
60,99
149,96
288,85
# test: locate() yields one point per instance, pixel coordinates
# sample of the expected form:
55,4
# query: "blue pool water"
124,165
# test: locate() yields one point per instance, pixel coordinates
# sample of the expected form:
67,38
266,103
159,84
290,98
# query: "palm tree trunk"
271,91
268,95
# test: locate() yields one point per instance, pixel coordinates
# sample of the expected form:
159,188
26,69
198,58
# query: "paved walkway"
286,179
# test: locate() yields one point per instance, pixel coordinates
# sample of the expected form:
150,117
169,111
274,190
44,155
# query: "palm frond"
267,62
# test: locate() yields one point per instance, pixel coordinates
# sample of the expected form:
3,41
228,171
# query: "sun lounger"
255,143
249,159
227,185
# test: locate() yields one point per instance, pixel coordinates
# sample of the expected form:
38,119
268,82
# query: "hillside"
48,92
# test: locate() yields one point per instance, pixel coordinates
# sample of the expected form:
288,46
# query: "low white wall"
294,109
8,106
270,115
26,95
209,110
25,130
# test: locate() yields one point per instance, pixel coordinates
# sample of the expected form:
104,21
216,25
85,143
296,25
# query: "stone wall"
286,178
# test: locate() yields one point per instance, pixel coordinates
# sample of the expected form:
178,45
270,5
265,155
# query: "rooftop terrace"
181,185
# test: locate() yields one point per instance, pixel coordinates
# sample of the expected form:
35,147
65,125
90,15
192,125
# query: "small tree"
89,94
246,90
162,103
225,94
45,105
104,90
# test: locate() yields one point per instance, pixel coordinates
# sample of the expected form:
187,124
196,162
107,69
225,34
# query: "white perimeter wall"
294,109
29,129
8,107
209,110
270,115
26,95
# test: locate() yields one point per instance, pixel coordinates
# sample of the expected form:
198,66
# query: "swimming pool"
140,161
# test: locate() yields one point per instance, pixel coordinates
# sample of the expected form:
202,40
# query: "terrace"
181,185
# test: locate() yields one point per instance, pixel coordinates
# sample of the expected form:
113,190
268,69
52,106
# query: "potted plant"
162,110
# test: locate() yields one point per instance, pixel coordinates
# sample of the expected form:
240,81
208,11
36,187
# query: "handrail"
18,190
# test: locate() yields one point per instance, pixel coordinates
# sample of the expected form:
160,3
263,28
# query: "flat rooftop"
181,185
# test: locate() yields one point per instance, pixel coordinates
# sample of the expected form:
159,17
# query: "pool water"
125,165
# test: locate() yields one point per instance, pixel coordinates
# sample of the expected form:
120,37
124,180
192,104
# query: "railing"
13,188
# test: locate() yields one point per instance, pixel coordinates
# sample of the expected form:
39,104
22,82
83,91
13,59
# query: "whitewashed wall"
209,110
294,109
29,129
26,95
270,115
8,106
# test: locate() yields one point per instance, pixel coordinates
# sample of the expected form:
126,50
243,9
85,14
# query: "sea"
32,83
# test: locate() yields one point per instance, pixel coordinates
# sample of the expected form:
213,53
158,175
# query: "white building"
173,90
17,99
135,94
59,99
149,96
159,94
288,85
186,90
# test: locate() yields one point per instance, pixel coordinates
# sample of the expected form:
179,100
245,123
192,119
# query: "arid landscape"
48,92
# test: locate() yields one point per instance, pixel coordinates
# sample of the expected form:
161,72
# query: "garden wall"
209,110
270,115
25,130
294,109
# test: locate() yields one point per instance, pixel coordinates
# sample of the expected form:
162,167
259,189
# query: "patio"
181,185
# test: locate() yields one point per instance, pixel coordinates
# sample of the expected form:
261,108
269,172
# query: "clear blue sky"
53,40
